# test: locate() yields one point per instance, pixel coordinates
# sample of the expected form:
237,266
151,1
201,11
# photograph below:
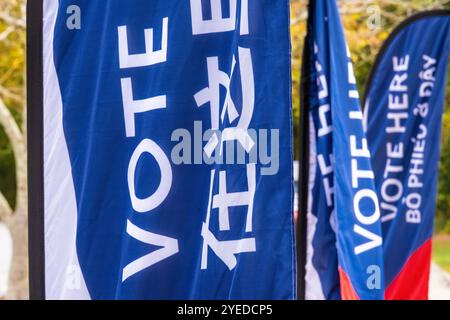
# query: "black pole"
35,101
303,167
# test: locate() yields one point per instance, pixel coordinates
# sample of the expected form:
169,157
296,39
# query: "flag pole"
35,150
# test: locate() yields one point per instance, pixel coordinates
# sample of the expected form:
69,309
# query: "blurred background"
367,24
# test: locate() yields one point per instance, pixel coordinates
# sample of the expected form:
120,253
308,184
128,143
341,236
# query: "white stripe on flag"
63,278
313,288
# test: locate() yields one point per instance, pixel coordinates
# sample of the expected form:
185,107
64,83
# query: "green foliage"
443,200
441,251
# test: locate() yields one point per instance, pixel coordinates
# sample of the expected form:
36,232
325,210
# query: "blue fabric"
87,64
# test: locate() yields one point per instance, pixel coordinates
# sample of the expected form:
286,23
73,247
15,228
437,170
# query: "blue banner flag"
404,106
168,150
344,258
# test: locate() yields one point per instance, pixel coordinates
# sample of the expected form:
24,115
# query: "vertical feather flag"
344,228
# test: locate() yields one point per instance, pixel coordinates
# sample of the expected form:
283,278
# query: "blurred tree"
13,168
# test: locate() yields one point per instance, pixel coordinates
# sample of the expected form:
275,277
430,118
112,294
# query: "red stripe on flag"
412,281
347,291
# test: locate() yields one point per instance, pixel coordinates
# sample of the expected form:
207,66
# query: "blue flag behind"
404,108
142,99
345,245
